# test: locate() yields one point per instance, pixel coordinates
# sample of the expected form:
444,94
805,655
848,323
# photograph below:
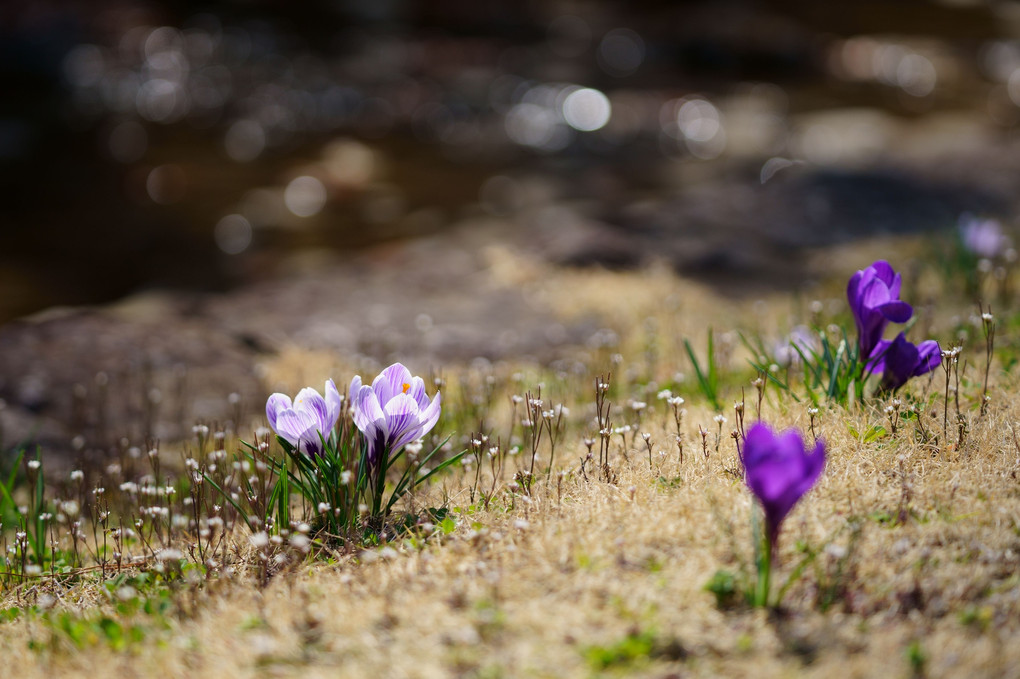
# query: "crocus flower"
801,341
306,421
983,237
898,360
874,300
393,411
779,470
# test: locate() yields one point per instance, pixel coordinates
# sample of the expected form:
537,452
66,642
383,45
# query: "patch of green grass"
636,649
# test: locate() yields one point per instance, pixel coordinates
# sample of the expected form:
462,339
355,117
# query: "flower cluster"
391,413
874,294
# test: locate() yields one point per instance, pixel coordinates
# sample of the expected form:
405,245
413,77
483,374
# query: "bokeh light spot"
586,110
233,234
305,196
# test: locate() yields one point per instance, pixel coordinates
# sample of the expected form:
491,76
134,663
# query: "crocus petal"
333,404
929,357
311,401
403,419
896,311
417,392
390,382
885,273
295,425
900,361
430,415
366,408
274,405
853,291
876,362
875,293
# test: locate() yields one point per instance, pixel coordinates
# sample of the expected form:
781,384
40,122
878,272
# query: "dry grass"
585,577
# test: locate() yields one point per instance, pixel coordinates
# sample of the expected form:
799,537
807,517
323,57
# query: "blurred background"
196,144
207,155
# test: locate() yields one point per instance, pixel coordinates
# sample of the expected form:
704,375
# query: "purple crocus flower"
307,420
779,470
898,360
983,237
394,411
874,300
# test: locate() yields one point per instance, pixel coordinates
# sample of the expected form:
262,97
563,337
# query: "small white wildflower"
34,464
720,419
301,542
78,475
638,406
664,395
169,554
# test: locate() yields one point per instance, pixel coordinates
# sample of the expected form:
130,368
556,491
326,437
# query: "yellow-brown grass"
553,585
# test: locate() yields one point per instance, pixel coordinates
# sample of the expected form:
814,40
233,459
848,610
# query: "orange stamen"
406,387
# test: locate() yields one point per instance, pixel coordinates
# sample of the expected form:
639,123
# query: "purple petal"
295,425
333,404
311,401
403,420
876,361
430,415
896,311
885,273
875,293
900,361
366,408
929,357
853,291
274,405
417,392
390,382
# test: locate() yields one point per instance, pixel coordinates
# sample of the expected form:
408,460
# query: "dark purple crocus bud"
899,360
779,470
874,300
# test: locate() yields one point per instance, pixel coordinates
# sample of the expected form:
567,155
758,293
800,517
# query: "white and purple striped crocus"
779,470
900,359
393,411
308,420
874,296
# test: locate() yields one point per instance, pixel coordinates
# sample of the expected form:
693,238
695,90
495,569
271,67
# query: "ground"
901,561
